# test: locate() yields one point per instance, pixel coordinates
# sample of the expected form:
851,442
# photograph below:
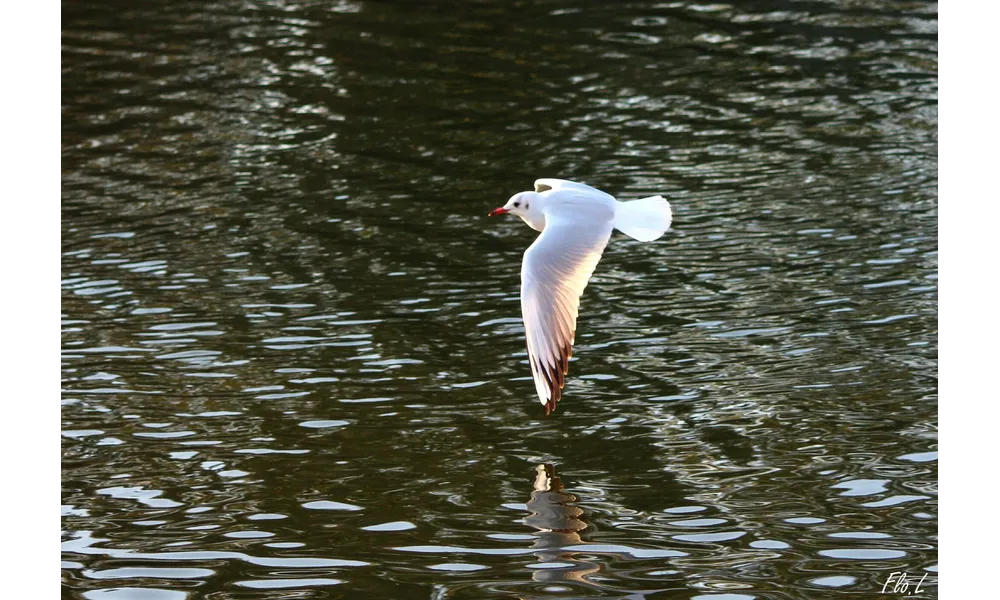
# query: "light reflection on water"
292,358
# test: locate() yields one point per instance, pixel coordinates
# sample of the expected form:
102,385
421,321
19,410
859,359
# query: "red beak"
498,211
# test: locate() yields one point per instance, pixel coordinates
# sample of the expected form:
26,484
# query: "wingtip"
556,395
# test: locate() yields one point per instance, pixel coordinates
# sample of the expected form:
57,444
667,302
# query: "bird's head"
526,205
519,204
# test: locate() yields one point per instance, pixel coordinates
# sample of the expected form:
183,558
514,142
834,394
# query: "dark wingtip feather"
556,378
554,375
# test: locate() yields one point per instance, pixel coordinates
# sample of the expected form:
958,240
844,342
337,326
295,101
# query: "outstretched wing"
544,185
554,273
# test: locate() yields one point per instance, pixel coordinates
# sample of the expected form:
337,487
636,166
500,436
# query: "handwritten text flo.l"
901,583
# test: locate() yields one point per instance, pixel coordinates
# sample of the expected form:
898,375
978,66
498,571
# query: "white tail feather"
645,219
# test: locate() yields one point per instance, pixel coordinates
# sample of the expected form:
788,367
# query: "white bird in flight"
576,222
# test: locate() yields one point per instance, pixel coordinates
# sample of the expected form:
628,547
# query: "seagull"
575,221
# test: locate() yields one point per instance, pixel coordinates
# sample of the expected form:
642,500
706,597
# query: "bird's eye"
516,204
526,205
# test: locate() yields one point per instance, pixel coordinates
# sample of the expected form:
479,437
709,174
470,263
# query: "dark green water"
293,364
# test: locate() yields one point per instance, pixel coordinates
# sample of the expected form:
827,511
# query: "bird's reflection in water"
559,524
558,545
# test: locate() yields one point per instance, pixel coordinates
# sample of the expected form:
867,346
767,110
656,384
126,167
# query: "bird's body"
576,221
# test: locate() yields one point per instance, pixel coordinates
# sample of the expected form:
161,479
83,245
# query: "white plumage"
576,222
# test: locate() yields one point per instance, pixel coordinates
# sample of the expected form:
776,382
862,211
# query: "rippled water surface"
293,363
